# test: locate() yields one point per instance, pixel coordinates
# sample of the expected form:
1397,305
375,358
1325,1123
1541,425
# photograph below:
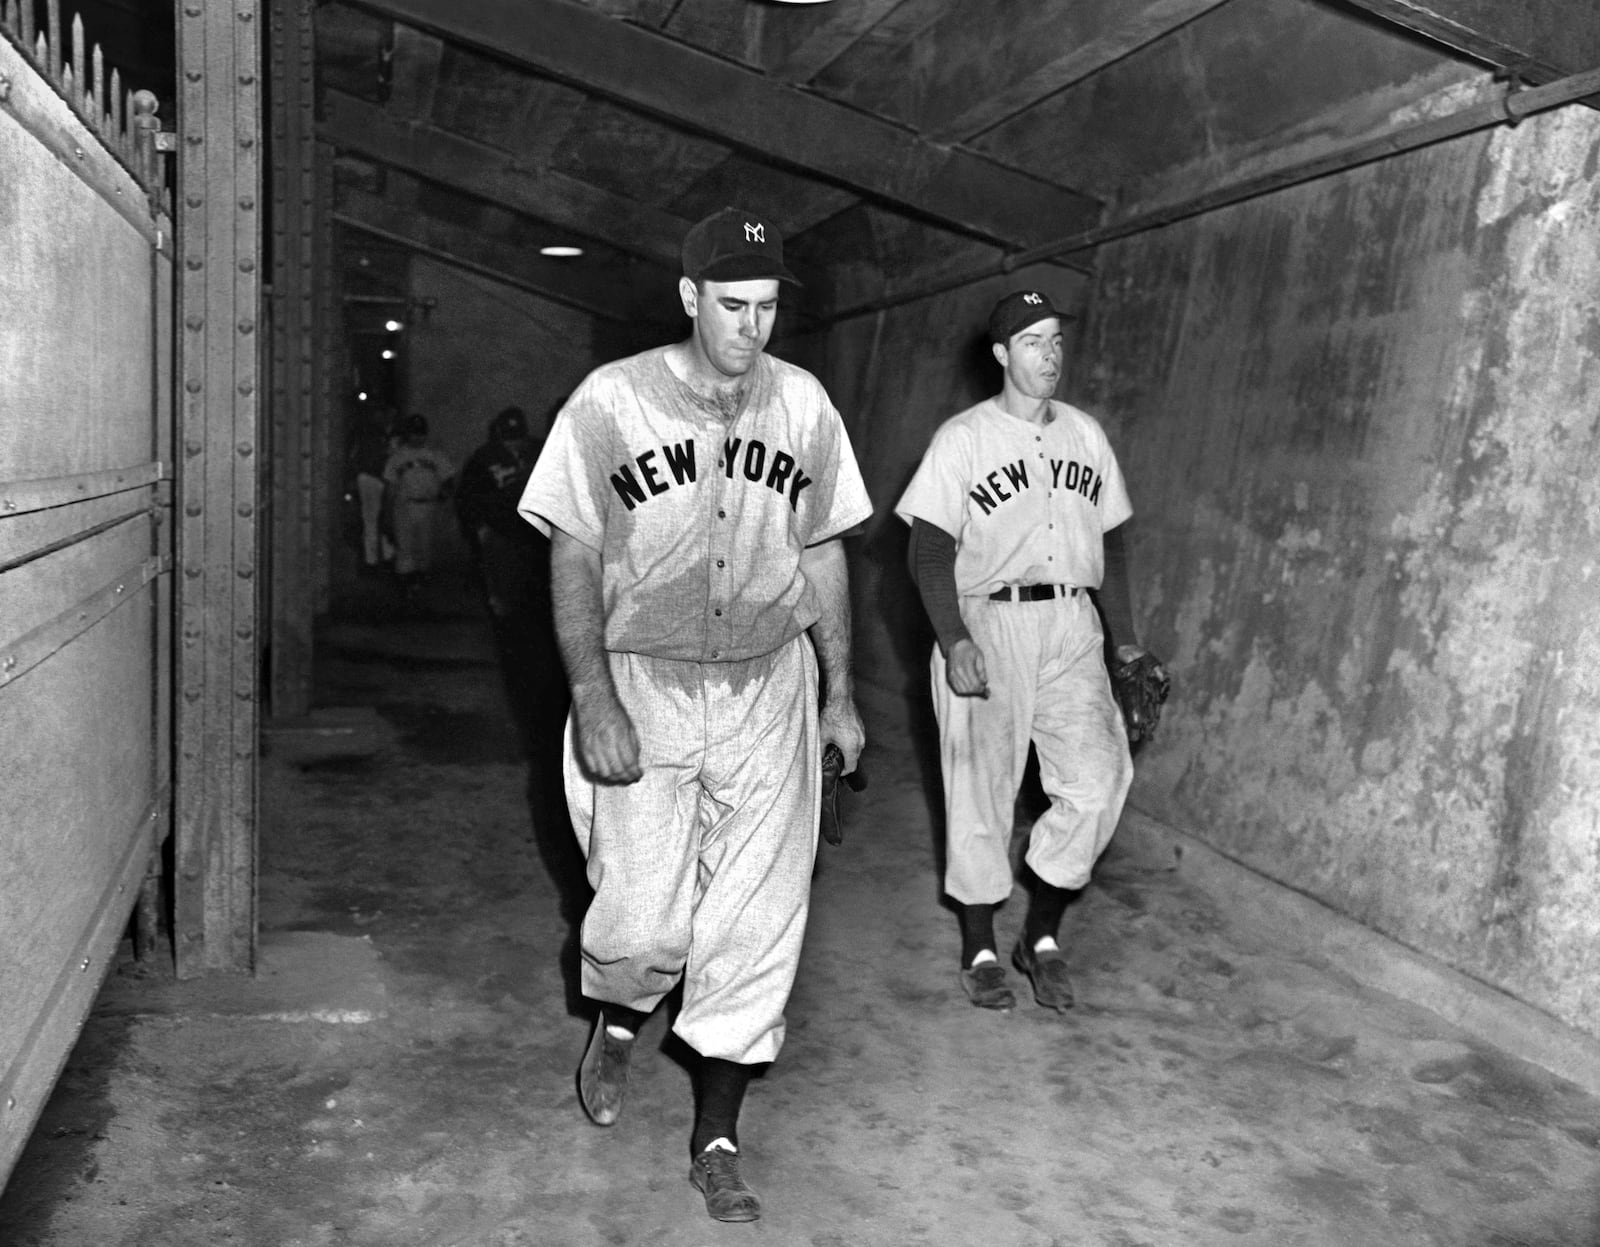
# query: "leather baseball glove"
1141,686
832,815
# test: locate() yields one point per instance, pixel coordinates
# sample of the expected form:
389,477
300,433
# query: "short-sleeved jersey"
699,522
1027,503
417,473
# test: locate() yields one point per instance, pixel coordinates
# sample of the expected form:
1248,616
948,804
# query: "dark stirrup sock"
977,932
1044,912
631,1020
721,1085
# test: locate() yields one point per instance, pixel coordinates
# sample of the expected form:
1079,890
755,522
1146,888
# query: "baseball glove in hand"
1141,687
832,815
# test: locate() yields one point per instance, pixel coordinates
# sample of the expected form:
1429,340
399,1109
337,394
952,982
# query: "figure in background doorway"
513,562
371,441
417,479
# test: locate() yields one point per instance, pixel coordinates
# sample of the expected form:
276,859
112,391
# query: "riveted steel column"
219,308
327,413
291,473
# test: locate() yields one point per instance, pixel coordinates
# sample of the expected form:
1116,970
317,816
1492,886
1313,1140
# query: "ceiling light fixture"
393,326
560,252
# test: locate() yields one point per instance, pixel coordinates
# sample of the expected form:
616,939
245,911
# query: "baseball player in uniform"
1014,512
418,479
694,495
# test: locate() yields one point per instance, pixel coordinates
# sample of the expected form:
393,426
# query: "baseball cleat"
1052,988
715,1172
603,1075
986,986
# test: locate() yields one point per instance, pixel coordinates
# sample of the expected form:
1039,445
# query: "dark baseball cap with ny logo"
734,245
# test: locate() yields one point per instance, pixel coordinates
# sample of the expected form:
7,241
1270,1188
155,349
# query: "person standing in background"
417,479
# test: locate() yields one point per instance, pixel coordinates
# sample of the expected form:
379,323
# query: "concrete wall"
1358,420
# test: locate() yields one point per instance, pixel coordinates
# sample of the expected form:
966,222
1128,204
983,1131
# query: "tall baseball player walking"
1014,512
694,495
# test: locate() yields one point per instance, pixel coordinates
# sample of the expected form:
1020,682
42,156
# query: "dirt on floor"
400,1071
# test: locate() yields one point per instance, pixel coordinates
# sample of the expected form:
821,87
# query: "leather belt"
1032,593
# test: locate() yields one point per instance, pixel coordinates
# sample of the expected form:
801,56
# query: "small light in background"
560,252
361,396
388,354
393,326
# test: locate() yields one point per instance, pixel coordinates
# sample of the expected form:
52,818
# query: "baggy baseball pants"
1048,684
702,869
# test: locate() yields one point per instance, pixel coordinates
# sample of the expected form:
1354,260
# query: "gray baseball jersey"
1027,503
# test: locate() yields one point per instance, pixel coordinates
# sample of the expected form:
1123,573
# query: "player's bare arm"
824,567
606,743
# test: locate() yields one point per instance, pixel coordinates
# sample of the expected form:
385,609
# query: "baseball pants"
413,536
1047,684
702,869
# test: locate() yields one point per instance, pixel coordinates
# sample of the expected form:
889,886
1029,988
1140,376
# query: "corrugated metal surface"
83,575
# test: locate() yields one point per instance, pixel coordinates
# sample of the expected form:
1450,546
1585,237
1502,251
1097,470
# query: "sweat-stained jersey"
1027,503
699,523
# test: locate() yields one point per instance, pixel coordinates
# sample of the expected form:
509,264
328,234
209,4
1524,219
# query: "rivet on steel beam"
194,387
247,266
247,203
194,510
245,449
192,447
247,573
191,694
192,10
194,322
247,388
193,201
245,15
83,966
247,142
11,1102
243,632
246,510
247,326
194,140
246,80
194,264
5,89
193,75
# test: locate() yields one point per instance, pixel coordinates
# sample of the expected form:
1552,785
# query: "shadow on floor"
400,1071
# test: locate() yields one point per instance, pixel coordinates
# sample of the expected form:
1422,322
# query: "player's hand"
965,671
841,724
606,743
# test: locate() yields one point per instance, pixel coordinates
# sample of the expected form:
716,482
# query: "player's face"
732,320
1032,359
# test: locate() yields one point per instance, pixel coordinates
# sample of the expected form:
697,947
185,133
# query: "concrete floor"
400,1072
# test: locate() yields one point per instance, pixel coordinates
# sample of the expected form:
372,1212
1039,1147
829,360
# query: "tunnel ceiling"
896,142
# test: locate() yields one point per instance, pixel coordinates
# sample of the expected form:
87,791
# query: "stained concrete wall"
1358,419
1361,419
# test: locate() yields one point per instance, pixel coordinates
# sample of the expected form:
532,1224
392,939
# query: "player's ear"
999,349
690,294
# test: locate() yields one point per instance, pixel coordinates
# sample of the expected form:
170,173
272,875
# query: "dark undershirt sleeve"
1115,603
931,559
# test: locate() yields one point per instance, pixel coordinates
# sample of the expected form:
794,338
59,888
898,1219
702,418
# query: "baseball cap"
734,245
1017,310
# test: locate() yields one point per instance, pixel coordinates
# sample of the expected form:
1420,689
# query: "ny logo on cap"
1030,297
755,233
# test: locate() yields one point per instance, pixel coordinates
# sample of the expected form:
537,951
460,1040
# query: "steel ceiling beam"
781,124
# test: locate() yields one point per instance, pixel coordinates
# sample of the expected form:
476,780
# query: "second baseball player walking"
1014,512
